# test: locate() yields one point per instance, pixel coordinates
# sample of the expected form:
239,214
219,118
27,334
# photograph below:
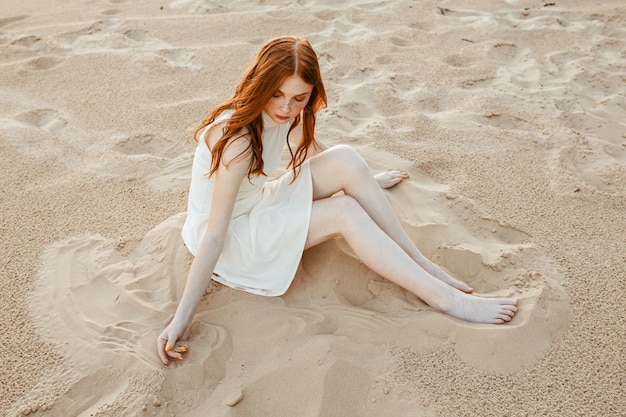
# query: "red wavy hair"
278,59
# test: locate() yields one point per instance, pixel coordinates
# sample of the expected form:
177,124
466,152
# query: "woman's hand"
389,178
166,342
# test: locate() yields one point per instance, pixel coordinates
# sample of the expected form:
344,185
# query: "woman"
249,233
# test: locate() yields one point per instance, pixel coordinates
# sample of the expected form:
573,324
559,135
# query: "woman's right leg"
341,168
343,216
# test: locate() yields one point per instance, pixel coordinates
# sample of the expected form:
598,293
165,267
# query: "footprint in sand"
342,30
93,37
592,104
400,41
114,34
162,163
137,35
404,86
601,166
45,119
178,57
153,159
28,42
43,63
358,109
38,52
148,144
326,14
519,68
504,53
459,61
515,68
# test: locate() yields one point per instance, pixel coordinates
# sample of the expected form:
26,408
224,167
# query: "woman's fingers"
177,352
167,348
166,343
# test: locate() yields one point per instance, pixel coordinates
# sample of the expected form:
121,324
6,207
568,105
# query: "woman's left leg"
341,168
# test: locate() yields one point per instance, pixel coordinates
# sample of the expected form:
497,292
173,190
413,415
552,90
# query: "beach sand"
510,117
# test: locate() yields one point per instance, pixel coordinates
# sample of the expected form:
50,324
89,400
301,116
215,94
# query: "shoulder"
237,147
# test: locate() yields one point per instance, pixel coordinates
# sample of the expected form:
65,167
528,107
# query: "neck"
268,123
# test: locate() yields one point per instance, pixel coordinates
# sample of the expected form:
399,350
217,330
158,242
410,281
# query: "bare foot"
390,178
481,310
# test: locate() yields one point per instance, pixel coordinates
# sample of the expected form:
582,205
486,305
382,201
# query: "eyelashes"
299,100
295,98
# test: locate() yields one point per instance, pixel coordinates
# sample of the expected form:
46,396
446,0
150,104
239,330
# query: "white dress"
270,220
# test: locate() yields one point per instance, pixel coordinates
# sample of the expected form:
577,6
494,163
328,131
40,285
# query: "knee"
349,158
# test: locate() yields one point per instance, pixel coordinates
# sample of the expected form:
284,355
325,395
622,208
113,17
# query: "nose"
285,105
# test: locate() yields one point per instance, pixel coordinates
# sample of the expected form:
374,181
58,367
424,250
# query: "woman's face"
289,100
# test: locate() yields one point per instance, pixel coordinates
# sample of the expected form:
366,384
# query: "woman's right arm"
228,178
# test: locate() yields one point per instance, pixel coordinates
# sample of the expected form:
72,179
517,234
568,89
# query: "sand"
509,115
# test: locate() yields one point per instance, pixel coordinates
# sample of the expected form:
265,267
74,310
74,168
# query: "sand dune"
509,117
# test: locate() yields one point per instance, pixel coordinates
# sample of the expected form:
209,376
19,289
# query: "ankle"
446,303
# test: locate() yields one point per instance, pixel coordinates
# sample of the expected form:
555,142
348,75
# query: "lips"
282,117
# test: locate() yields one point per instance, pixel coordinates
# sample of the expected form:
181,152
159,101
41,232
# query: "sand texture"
510,117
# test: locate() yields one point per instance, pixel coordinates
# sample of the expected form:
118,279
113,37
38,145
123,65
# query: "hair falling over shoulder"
278,59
